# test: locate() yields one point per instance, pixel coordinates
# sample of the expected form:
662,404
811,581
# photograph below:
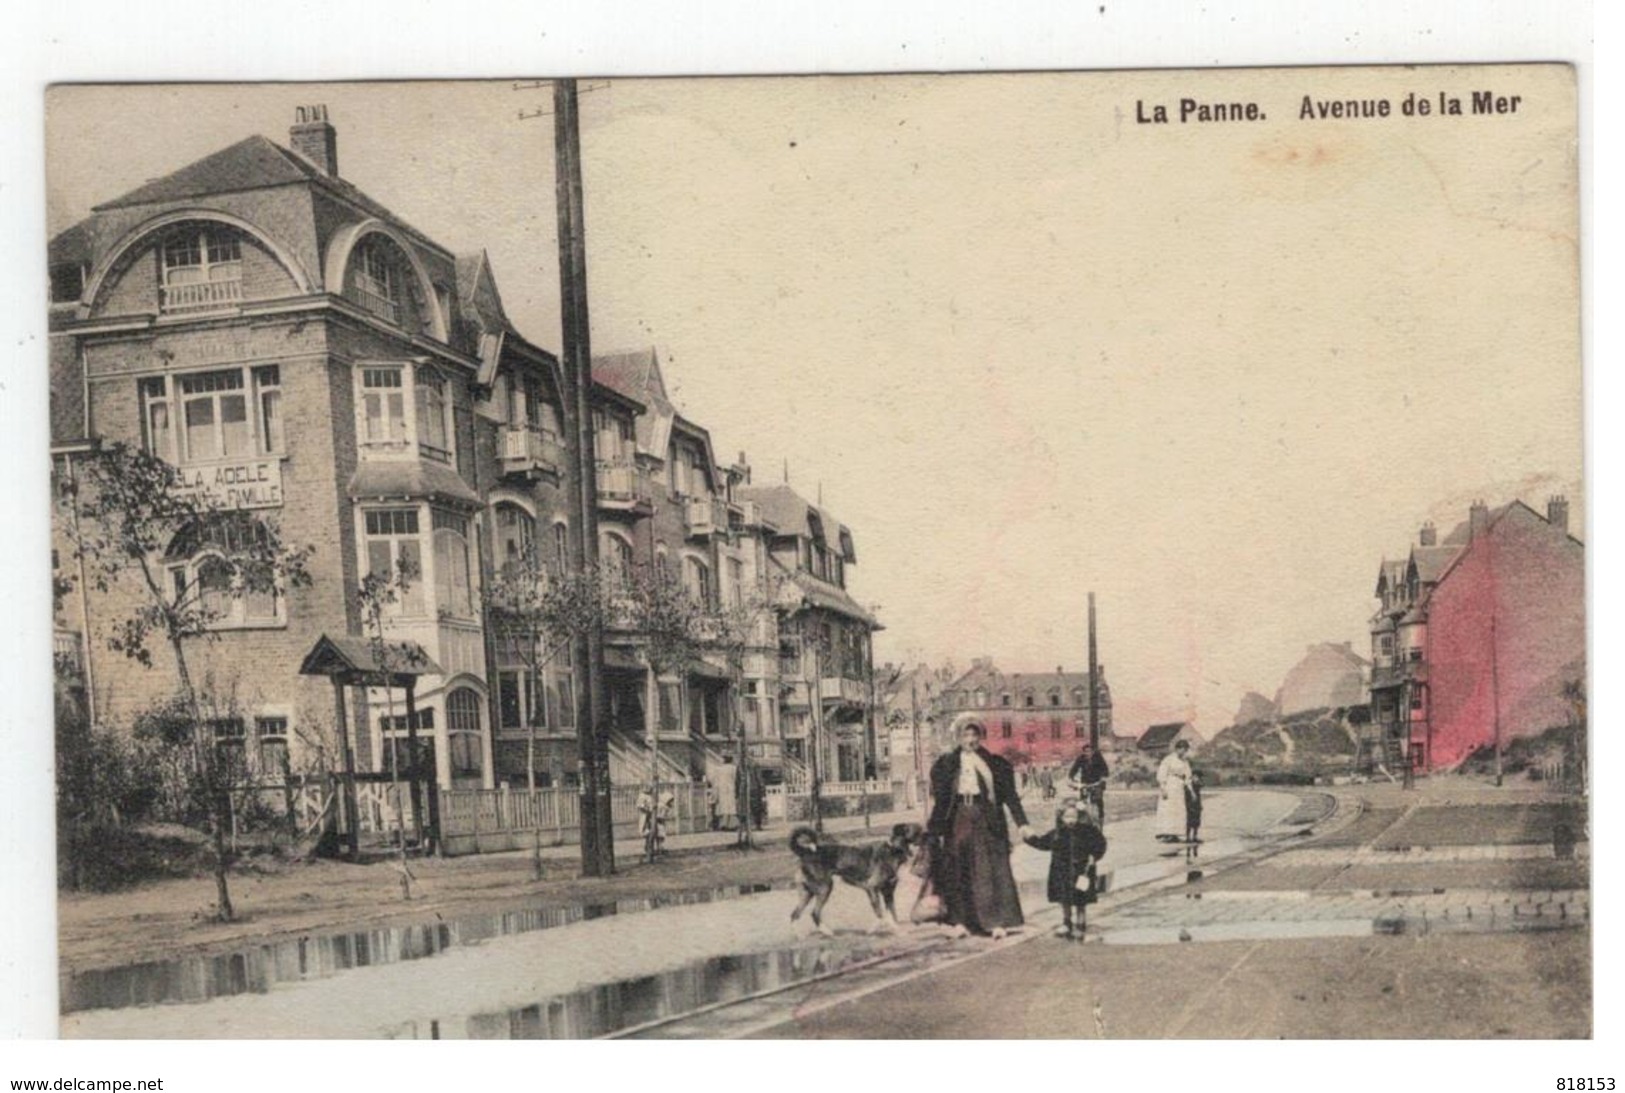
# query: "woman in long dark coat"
970,789
1074,846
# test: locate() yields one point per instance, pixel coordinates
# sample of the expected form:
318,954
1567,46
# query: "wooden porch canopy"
354,662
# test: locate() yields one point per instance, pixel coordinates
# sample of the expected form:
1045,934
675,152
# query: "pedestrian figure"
971,788
1075,844
1088,776
712,817
725,792
1173,774
1193,814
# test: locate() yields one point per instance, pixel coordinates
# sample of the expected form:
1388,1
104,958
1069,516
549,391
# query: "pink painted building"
1476,636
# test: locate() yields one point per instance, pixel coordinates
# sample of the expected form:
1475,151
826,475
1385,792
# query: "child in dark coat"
1075,844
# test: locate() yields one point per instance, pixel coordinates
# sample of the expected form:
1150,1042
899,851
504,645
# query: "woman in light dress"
1173,775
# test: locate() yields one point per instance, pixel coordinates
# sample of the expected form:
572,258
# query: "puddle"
259,968
630,1003
1240,931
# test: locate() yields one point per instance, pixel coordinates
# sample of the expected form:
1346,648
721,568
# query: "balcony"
705,515
202,296
624,487
842,689
526,451
1405,671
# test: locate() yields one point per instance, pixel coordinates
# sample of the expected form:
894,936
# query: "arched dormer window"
202,268
377,279
1055,698
981,697
1027,698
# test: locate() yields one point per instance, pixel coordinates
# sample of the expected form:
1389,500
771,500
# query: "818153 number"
1585,1085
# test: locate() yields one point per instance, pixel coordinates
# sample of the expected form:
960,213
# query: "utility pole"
597,836
1495,698
1094,684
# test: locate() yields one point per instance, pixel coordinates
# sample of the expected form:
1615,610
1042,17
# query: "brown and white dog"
873,867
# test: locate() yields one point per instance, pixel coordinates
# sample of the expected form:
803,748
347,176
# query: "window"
202,577
375,280
1079,697
981,698
519,704
561,699
671,704
516,534
433,436
453,579
229,737
214,410
467,750
383,397
272,734
1004,699
616,558
1006,728
1416,700
268,401
1027,699
67,283
697,579
736,582
203,270
395,552
156,435
1415,653
1055,698
1055,728
561,548
1079,729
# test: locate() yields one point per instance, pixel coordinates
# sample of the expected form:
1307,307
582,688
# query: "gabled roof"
1431,562
636,374
1163,735
478,301
793,514
354,660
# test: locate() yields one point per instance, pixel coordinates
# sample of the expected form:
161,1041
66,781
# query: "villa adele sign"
238,484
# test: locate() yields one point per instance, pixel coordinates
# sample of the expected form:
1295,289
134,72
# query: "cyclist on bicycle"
1088,776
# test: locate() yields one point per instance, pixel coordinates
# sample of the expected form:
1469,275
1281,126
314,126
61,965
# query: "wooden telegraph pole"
597,836
1094,683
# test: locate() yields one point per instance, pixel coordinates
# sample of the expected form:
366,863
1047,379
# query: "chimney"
1478,520
1429,535
314,139
1557,512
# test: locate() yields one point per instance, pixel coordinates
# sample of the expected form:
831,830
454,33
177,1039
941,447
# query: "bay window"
383,426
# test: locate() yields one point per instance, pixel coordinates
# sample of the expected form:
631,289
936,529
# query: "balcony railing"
705,515
623,485
1397,674
377,303
202,296
842,689
527,450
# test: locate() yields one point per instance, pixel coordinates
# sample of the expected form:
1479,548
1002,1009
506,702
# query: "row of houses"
299,351
1478,637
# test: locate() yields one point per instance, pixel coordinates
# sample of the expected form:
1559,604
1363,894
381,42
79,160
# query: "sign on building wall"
235,484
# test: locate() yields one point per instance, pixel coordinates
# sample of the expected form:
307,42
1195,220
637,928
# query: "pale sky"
1028,347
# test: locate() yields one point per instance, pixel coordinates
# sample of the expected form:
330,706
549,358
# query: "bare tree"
131,509
375,598
538,616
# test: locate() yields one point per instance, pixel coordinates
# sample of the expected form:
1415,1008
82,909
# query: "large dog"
872,867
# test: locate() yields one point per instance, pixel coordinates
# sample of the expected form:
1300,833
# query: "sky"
1026,346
